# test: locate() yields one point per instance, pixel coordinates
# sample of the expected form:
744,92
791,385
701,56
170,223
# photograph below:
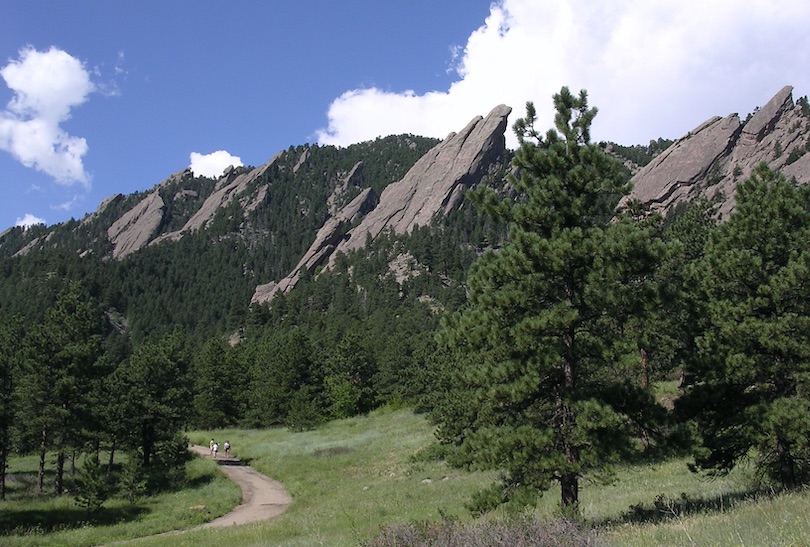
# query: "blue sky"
100,97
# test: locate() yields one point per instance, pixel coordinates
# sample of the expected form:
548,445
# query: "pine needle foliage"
542,376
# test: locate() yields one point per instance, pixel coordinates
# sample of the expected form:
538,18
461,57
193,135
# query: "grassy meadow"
352,477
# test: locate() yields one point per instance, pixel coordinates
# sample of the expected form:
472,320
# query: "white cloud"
47,85
212,165
29,220
653,68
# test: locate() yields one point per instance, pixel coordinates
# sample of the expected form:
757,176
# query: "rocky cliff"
434,185
712,158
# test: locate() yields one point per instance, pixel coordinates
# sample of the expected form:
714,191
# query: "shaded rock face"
229,187
434,185
139,226
711,159
322,248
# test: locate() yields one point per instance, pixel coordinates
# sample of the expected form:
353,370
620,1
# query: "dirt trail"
262,497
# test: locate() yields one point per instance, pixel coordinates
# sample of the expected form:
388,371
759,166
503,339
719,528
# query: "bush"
91,484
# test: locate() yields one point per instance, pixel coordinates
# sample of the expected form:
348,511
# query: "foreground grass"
352,477
47,520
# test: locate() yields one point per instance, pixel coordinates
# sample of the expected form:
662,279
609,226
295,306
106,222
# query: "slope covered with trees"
531,322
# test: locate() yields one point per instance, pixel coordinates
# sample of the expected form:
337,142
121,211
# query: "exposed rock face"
712,158
228,187
354,178
435,183
106,202
322,248
137,226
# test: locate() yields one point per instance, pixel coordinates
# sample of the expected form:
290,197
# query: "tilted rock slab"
228,187
710,160
135,228
321,249
434,185
436,182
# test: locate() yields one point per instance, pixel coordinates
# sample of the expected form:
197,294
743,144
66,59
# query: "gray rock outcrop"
711,159
321,249
434,185
436,182
229,186
136,227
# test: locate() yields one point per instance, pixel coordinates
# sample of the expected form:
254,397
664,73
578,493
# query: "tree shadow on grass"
665,508
197,482
27,522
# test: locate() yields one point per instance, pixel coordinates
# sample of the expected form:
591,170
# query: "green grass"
30,518
352,477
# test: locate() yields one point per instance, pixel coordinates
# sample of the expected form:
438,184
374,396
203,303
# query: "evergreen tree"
11,335
62,367
749,389
544,382
153,395
217,385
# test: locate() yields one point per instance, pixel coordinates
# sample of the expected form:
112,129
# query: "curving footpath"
262,497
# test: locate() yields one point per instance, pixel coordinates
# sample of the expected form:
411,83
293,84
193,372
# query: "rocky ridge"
435,184
712,158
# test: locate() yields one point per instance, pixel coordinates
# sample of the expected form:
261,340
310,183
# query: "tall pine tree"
545,386
748,391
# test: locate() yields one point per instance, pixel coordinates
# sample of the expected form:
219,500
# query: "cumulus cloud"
47,85
653,68
29,220
212,165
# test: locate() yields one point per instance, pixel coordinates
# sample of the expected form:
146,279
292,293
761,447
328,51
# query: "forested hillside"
346,340
531,316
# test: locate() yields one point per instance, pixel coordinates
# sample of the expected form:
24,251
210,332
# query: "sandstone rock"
106,202
436,182
321,249
137,226
434,185
354,178
712,158
227,188
301,160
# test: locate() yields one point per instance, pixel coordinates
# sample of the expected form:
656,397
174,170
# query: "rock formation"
136,227
433,185
322,248
711,159
228,187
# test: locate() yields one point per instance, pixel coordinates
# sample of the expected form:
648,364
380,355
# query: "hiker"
211,446
215,449
227,449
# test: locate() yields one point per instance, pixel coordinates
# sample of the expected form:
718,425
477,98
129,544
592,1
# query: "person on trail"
211,446
227,446
215,449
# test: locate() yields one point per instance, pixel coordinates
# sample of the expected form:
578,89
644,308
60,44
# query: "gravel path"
262,497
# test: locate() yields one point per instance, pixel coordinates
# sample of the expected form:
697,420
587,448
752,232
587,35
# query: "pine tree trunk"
42,445
3,461
569,480
787,468
569,494
112,459
60,472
